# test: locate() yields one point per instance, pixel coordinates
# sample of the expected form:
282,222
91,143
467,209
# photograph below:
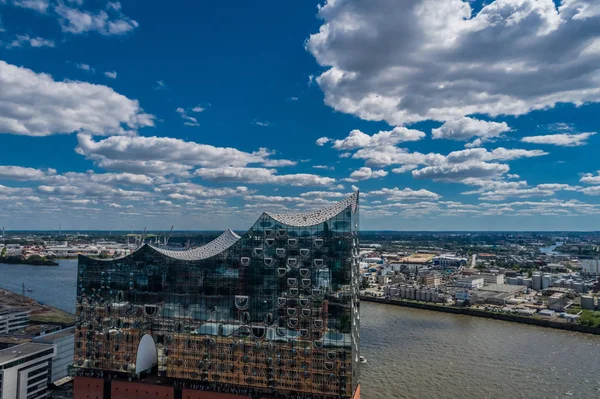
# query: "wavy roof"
216,246
318,216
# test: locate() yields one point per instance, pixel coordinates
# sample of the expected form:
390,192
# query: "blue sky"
447,114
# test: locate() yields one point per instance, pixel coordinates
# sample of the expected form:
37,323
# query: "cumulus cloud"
109,74
589,178
166,156
357,139
496,190
561,139
34,104
261,176
20,173
322,141
365,173
441,60
465,128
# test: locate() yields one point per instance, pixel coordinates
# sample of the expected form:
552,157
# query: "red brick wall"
88,388
134,390
357,393
191,394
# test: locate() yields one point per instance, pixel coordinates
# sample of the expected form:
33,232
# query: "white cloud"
322,141
85,67
440,60
161,85
198,191
589,178
357,139
37,5
461,171
562,139
189,120
106,22
395,194
465,128
497,190
198,108
455,166
34,104
112,75
323,194
21,173
20,40
263,124
261,176
323,167
166,156
365,173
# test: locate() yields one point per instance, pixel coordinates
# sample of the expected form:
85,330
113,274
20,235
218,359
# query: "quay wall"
483,313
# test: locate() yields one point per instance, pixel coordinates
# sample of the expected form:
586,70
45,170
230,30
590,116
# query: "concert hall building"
272,313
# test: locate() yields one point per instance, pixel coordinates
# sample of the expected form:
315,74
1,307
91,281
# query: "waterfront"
55,285
421,354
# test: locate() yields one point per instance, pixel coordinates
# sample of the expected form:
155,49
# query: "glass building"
275,310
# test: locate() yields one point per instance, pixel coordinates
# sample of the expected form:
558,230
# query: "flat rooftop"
10,354
55,336
504,288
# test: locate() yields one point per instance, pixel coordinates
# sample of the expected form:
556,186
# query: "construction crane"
168,237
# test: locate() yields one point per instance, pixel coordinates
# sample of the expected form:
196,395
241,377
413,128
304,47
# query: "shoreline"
39,313
485,314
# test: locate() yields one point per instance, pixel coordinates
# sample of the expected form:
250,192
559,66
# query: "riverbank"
39,313
485,314
16,260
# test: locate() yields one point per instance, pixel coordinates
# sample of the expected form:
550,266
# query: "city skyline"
447,115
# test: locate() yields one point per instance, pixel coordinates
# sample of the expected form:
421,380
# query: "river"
421,354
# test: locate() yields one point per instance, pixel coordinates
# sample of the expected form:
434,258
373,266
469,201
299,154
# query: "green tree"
3,253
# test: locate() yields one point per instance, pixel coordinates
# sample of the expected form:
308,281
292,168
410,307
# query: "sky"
446,114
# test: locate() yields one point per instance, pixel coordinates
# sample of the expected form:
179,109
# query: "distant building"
14,250
557,302
492,278
471,282
536,280
25,370
587,302
433,280
590,266
449,260
13,320
63,340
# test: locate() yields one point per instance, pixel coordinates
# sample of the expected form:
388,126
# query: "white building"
472,282
14,250
64,341
590,266
492,278
13,320
25,370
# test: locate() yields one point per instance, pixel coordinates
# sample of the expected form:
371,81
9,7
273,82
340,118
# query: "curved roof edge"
216,246
319,216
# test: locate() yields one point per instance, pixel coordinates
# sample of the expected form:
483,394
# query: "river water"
421,354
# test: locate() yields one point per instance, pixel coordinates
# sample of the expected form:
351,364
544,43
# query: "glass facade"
275,309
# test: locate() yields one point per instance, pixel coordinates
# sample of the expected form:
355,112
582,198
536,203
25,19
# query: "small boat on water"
362,359
29,289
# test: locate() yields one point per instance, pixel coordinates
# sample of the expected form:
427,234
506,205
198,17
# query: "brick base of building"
97,388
